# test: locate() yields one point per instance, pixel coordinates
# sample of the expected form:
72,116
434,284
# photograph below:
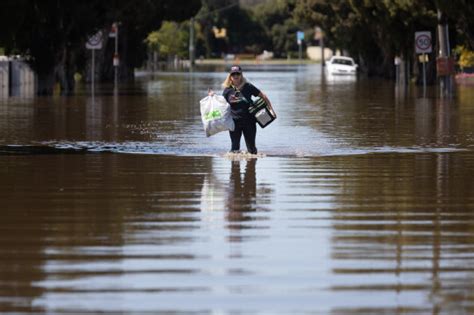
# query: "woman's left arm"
262,95
267,100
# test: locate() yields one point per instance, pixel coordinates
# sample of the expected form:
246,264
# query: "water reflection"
242,191
338,79
405,236
237,194
436,122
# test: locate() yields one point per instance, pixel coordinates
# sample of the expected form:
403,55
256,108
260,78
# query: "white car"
341,65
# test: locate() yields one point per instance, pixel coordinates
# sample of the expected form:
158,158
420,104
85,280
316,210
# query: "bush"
466,57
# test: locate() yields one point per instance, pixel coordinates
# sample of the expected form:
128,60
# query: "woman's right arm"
229,96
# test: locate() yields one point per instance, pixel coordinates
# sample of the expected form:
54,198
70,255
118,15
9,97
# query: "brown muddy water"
362,204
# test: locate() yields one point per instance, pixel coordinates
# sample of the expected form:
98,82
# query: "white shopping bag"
215,115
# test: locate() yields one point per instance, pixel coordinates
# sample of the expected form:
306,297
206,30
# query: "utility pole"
116,60
116,55
444,62
192,58
323,58
191,42
319,35
299,41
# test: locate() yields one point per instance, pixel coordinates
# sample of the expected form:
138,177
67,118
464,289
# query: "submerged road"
363,202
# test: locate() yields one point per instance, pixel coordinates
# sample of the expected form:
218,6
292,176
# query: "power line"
202,15
191,28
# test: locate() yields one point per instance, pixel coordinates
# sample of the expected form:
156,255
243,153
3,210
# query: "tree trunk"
128,54
65,72
46,83
60,71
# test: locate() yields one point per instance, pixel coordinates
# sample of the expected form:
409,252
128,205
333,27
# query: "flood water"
363,202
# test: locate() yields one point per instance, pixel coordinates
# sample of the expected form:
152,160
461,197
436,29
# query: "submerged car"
341,65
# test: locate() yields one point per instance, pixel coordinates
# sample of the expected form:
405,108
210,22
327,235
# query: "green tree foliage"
170,40
279,25
377,30
466,57
372,30
244,33
209,16
460,14
138,18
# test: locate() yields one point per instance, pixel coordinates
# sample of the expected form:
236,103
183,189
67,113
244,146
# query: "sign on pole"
299,37
423,46
95,41
113,30
423,42
299,40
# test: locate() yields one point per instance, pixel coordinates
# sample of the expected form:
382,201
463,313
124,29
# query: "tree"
244,34
460,15
48,35
466,57
51,34
371,30
170,40
209,17
138,18
279,25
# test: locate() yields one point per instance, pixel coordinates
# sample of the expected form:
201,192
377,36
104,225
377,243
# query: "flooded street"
362,204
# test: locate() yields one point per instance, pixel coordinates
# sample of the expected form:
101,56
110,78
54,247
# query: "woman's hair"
228,81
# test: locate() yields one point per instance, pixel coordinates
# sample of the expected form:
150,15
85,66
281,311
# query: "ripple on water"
132,147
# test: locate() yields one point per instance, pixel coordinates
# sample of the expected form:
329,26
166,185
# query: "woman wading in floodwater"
238,93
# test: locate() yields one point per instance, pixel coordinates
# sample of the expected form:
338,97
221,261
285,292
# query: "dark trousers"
249,129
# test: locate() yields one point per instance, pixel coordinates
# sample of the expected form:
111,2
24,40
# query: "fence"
4,82
16,78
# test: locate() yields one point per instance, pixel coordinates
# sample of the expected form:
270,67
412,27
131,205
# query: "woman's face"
236,78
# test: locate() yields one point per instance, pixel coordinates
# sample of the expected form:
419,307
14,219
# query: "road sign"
299,37
444,66
95,41
423,42
116,60
113,30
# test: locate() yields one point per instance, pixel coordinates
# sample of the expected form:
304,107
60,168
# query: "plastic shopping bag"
215,115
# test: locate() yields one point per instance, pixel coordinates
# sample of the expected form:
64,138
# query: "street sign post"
94,42
299,37
299,40
423,46
423,42
114,33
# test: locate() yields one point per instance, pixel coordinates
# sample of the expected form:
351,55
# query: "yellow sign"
219,32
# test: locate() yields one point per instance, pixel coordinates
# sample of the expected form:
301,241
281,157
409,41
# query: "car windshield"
342,62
